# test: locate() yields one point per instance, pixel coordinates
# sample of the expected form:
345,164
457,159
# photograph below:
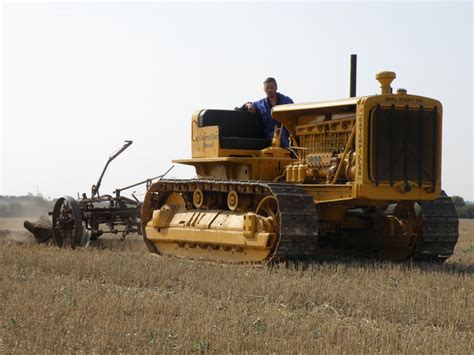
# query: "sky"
80,78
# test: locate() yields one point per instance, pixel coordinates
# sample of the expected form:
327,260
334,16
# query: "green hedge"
466,211
24,206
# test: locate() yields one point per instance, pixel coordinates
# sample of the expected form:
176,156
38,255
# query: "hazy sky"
80,78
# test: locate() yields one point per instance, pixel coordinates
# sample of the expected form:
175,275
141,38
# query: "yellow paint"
221,233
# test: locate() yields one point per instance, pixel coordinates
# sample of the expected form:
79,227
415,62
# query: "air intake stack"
385,78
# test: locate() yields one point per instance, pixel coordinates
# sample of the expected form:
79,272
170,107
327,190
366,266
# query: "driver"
264,108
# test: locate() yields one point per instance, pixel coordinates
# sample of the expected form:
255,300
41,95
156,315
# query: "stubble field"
121,299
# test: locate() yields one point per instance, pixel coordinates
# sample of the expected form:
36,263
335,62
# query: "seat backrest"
233,123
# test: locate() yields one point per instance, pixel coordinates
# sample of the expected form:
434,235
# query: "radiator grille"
404,145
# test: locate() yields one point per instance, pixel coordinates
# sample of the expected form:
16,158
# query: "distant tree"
466,211
458,201
24,206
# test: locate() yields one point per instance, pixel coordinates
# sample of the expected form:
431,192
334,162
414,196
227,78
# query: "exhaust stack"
353,75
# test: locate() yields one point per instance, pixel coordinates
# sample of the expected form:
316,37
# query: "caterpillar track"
440,229
295,236
296,231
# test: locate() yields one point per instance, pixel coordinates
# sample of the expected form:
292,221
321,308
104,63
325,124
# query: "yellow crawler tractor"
362,177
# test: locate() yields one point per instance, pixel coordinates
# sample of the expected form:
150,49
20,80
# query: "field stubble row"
120,299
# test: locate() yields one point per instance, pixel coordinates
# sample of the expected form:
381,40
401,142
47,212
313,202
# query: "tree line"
35,205
25,206
465,210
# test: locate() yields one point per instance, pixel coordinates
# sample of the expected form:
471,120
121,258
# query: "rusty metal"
67,223
76,222
95,188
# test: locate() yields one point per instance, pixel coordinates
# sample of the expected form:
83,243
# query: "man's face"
270,89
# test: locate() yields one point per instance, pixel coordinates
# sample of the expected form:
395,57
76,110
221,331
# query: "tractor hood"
287,114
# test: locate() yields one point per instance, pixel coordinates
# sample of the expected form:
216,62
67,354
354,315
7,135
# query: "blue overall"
264,108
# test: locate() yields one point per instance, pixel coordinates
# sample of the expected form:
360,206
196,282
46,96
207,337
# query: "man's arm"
251,107
256,107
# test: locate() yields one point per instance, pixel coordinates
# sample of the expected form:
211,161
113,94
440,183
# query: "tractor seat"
238,129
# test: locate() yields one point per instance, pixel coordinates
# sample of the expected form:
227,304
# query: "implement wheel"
67,223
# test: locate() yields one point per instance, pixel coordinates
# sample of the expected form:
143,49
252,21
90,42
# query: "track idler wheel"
68,231
268,207
232,200
198,198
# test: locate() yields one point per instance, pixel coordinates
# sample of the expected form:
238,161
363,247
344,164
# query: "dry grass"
120,299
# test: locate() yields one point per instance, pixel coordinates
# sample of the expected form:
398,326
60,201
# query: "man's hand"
250,107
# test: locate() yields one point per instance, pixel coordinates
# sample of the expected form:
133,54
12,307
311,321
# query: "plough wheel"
67,223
